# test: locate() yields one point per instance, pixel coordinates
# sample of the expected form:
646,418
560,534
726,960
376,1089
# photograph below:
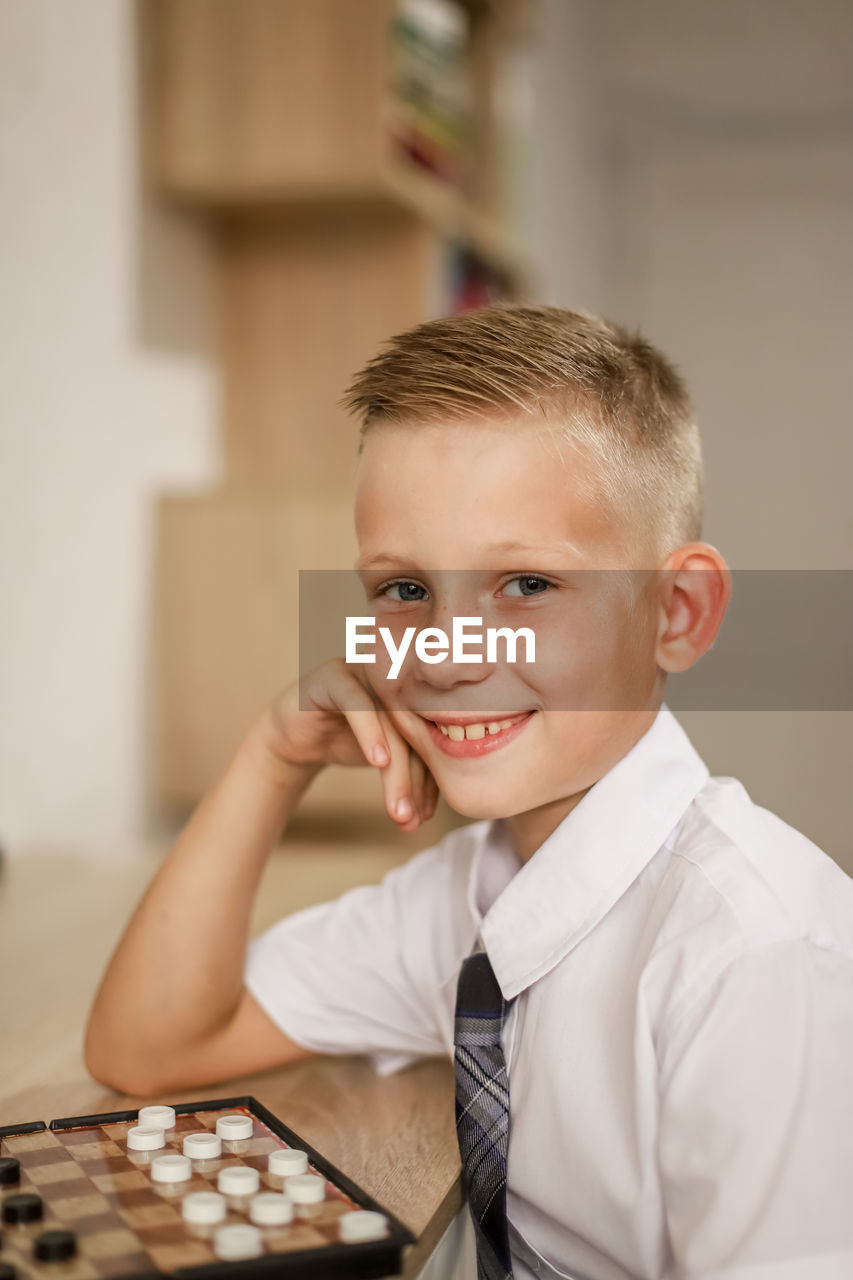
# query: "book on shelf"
469,281
431,96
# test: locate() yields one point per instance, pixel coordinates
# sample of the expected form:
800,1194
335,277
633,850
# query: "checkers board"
127,1225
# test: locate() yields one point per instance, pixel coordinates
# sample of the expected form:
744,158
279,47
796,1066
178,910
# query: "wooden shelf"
271,118
396,186
239,121
452,217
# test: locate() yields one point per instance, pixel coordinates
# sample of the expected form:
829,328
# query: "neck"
528,831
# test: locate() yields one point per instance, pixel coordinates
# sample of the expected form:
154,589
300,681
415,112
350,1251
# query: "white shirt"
680,1054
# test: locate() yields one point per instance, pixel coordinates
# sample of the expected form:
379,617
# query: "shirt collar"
548,904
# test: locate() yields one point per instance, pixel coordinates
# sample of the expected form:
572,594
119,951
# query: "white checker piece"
204,1208
157,1117
237,1241
171,1168
362,1225
305,1188
202,1146
271,1209
238,1180
287,1162
234,1128
145,1137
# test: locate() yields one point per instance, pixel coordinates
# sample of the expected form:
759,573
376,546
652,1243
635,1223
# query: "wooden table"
60,917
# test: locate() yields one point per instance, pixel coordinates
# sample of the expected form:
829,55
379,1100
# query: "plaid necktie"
482,1111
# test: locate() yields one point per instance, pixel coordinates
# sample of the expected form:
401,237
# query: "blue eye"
528,585
407,592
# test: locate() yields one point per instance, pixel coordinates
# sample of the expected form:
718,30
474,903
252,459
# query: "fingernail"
380,755
404,808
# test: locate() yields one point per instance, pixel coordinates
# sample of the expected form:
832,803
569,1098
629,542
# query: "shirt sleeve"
368,973
756,1123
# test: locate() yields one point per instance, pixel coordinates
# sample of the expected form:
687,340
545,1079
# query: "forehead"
450,494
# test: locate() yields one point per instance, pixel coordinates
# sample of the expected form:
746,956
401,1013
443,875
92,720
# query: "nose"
457,602
448,674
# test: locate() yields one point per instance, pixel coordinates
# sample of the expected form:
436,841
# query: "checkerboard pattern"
125,1223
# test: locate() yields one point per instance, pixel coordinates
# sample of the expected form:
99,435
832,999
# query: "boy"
669,965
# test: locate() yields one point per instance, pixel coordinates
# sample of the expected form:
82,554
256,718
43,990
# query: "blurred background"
211,213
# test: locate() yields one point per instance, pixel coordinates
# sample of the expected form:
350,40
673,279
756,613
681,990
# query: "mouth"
468,738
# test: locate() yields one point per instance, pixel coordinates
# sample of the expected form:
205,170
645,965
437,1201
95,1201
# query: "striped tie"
482,1111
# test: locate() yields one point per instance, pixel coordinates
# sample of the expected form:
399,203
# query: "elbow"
122,1077
115,1070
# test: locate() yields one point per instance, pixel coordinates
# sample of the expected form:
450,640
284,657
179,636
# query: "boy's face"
486,520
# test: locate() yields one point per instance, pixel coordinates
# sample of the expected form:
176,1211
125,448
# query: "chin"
481,804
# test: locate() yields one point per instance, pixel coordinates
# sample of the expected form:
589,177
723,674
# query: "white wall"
697,181
108,393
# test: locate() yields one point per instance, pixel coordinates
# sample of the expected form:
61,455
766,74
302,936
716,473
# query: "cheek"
389,696
377,672
574,651
634,643
586,652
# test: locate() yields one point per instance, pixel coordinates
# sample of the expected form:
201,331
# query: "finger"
396,776
418,773
424,790
367,730
431,796
354,702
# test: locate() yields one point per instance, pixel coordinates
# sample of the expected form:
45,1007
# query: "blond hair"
587,382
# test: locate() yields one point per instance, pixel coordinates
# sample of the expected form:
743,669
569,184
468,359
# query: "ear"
695,590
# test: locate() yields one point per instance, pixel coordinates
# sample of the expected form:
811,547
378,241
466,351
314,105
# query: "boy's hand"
339,723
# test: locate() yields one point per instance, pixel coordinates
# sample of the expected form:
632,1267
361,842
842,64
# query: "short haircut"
580,378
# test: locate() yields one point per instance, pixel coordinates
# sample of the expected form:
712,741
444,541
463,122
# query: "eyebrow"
388,561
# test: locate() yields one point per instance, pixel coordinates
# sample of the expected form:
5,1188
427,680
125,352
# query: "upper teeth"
459,731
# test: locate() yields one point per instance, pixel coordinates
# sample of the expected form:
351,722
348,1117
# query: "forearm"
176,975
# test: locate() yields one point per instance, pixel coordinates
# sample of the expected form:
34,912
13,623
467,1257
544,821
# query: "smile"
475,738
